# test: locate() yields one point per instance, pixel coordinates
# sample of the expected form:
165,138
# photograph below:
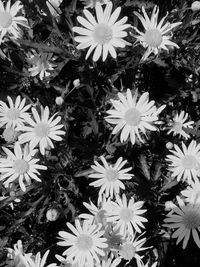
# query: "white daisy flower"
185,163
179,123
16,257
156,35
92,3
126,216
38,261
86,243
9,22
103,34
130,248
192,193
41,64
186,220
109,176
20,165
132,116
41,130
15,114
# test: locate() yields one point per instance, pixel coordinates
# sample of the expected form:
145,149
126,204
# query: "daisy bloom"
186,220
9,22
192,193
126,216
41,130
103,34
179,123
20,165
16,257
37,261
109,176
130,248
156,35
92,3
132,116
15,114
185,164
85,244
41,64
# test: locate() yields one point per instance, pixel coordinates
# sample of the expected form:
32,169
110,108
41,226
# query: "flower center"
127,251
13,113
20,166
132,117
126,214
189,162
84,242
5,19
191,219
102,33
111,175
41,129
177,127
153,38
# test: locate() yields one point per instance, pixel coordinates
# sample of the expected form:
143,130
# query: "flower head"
15,114
195,6
179,123
16,257
41,64
20,165
9,22
185,163
132,116
85,244
41,130
186,220
156,35
126,215
102,35
109,176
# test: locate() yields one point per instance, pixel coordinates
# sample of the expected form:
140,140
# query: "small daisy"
37,261
192,193
15,114
157,35
127,216
130,248
92,3
185,163
85,244
42,130
20,165
133,117
103,35
109,176
179,123
41,64
9,22
186,220
16,257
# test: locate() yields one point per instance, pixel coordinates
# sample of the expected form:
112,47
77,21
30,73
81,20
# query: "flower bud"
59,100
52,214
169,145
76,83
195,6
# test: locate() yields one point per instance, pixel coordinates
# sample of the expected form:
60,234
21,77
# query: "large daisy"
186,220
86,243
103,34
156,35
109,176
15,114
132,116
179,123
20,165
126,216
41,130
185,163
9,22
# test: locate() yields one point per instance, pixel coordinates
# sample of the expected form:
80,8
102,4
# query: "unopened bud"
52,214
59,100
76,83
169,145
195,6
